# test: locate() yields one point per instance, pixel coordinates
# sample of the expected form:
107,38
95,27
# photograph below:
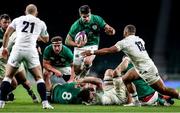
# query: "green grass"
23,103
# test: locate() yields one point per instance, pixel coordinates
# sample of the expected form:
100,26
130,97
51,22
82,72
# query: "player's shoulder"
96,17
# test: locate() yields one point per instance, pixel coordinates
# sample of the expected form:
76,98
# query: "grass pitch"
23,103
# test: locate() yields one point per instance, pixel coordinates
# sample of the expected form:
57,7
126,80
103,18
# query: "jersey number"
140,46
66,95
27,25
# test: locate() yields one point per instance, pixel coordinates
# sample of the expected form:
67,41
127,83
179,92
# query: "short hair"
131,28
56,39
84,95
84,9
5,16
31,8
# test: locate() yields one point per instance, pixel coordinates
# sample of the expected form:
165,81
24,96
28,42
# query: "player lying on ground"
90,90
146,94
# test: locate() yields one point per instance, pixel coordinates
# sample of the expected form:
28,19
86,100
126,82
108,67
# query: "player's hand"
5,53
81,44
86,53
109,31
58,73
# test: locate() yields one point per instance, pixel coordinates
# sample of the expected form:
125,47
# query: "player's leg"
87,65
14,84
47,75
21,79
33,64
153,78
161,88
108,79
6,84
131,75
37,73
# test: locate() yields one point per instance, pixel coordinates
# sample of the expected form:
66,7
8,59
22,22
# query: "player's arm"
109,30
93,80
103,51
70,42
121,67
6,36
47,65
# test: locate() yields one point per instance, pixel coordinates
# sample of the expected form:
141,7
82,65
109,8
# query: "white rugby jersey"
134,47
28,29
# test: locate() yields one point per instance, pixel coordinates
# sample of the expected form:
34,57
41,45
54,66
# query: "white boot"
2,104
46,105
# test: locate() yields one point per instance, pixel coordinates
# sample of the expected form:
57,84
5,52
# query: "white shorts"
78,58
64,70
150,76
29,55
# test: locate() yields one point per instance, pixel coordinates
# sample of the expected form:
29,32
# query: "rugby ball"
81,37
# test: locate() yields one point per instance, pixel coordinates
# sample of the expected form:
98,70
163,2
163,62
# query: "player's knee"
108,72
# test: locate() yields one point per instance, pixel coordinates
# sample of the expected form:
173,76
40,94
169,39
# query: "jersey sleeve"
13,23
120,45
101,22
74,29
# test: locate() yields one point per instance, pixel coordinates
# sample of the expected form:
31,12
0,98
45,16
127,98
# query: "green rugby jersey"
63,59
66,94
91,28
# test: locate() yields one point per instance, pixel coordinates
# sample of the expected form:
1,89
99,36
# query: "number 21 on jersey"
28,27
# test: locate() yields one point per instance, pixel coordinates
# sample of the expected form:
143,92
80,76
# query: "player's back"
134,47
66,93
28,28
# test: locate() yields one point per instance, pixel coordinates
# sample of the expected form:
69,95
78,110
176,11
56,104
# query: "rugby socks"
41,89
135,96
5,89
48,93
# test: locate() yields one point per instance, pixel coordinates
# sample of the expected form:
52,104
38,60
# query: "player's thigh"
151,76
31,58
130,75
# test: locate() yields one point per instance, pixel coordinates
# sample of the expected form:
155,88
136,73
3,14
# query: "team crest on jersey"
94,27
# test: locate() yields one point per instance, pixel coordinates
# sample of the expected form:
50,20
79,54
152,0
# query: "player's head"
129,30
31,9
57,44
85,13
5,20
86,95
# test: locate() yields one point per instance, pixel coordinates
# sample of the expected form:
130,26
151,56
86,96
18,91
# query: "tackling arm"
93,80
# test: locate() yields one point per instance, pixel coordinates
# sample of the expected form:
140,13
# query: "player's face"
4,23
57,47
86,17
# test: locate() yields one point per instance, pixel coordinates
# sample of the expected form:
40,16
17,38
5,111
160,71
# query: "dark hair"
56,39
84,95
5,16
84,9
131,28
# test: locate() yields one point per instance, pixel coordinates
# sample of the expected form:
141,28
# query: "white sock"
135,96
